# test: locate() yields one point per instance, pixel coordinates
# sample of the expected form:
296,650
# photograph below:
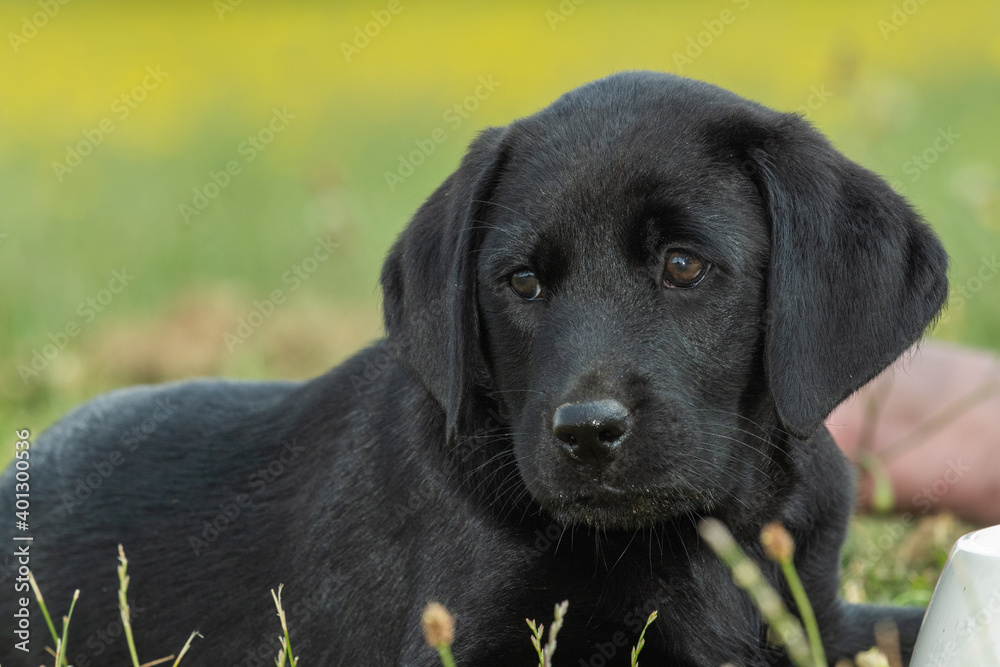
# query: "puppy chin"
606,508
604,498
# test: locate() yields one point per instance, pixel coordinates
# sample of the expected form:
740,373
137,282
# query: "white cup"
962,625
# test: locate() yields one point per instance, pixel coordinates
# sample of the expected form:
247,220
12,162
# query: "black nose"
591,430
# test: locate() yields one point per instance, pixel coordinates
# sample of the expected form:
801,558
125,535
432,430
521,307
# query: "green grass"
119,214
324,173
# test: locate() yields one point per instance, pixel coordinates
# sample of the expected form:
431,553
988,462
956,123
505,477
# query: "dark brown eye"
525,284
684,269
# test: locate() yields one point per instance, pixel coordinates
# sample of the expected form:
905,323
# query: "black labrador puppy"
628,311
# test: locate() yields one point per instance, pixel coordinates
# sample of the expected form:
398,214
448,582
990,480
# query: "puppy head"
648,277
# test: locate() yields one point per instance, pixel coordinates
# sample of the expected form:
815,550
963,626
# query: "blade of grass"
642,639
805,611
887,641
286,642
883,495
61,646
447,659
536,639
60,653
780,547
870,416
187,645
871,658
123,607
41,604
746,573
559,614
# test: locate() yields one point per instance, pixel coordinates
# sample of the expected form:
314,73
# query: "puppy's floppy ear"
429,283
854,278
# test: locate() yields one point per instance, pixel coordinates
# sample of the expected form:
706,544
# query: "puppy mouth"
614,494
610,507
603,491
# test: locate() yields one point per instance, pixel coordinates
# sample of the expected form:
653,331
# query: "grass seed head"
778,544
439,626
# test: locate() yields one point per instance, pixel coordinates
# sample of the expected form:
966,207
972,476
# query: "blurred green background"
98,155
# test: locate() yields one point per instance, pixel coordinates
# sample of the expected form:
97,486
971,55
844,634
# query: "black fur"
425,467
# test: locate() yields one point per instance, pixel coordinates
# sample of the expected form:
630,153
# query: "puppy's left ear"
429,284
855,276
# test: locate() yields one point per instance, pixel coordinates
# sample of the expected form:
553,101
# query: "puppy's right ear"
429,286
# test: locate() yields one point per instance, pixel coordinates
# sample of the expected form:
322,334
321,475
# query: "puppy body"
431,466
363,523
